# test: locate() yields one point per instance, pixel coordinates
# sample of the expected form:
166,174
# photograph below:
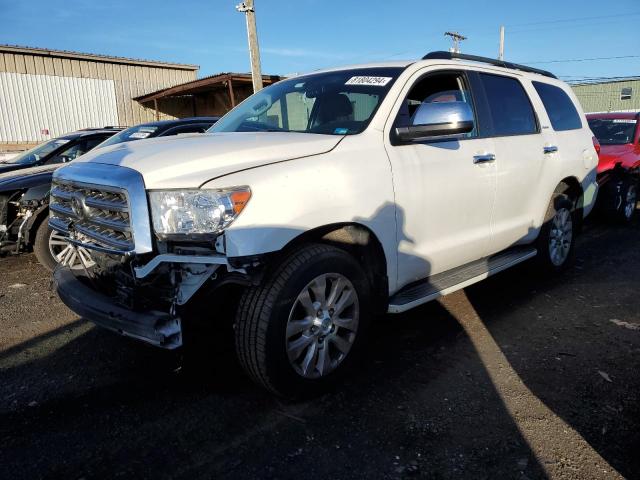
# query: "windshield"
134,133
613,131
37,153
334,103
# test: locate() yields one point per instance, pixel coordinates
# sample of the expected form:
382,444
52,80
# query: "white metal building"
46,93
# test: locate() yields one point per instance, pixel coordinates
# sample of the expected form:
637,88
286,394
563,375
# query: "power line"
566,20
583,59
556,24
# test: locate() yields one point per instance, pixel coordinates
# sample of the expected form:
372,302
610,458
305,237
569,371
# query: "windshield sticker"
373,81
140,135
623,120
341,131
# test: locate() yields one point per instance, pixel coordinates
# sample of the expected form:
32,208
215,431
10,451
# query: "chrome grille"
95,214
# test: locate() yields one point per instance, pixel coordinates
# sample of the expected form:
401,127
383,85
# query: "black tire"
41,246
544,260
263,314
628,201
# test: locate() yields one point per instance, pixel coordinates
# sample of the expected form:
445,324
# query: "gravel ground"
515,377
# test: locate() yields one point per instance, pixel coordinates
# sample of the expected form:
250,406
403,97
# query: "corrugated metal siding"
605,97
31,103
129,80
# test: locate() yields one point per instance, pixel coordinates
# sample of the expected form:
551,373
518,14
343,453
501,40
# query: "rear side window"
509,105
561,110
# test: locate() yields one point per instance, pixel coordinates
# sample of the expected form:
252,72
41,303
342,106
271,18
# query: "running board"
457,278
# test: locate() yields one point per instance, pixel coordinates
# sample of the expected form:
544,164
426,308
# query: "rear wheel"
302,328
557,235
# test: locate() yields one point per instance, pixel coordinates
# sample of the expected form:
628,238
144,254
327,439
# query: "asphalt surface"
516,377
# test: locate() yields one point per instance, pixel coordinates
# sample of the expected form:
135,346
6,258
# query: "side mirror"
440,119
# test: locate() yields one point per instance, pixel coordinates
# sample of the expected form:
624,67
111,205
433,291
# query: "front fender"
351,184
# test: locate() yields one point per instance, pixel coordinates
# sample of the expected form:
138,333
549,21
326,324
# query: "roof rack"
442,55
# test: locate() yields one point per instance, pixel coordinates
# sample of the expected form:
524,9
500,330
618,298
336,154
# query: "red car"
619,166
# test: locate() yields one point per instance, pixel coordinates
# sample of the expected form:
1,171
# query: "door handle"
550,149
484,158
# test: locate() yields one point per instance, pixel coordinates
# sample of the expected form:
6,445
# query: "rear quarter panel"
576,156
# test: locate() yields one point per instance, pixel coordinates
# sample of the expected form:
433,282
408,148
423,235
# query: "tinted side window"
509,105
191,128
93,142
72,152
561,110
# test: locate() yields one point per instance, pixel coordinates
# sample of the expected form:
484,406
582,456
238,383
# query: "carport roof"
206,84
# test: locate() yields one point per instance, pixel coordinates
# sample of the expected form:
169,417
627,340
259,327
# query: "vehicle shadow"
563,338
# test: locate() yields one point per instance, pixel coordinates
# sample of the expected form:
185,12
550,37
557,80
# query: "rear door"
509,118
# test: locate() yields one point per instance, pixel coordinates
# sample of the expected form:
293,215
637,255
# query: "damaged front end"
141,300
138,285
18,214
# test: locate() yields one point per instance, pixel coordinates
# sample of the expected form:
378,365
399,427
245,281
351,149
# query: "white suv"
324,200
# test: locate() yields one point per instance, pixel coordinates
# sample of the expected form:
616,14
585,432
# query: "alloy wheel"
322,325
561,236
64,253
630,201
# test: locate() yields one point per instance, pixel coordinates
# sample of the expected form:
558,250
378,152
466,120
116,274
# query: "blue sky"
303,35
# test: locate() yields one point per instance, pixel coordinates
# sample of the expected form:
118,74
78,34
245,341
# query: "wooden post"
231,94
155,105
248,9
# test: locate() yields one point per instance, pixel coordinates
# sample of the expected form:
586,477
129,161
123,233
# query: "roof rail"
442,55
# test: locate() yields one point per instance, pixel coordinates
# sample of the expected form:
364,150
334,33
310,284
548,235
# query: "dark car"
59,150
162,128
24,195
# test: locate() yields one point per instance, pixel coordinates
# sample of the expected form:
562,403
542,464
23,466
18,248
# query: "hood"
628,155
189,162
27,177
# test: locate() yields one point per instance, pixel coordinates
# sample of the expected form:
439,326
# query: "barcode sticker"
374,81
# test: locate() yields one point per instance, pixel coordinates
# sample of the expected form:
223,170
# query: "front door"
444,189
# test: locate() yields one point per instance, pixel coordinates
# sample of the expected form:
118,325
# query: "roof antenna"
456,38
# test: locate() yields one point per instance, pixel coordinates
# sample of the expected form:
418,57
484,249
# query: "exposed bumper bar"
157,328
145,270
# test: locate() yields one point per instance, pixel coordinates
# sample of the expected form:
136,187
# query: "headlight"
189,212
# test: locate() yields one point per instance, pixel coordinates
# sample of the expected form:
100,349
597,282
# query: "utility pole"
457,38
246,7
501,51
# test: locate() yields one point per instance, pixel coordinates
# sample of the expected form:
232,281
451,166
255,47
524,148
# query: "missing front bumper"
158,328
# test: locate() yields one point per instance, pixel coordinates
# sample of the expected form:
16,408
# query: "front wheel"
303,327
557,235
